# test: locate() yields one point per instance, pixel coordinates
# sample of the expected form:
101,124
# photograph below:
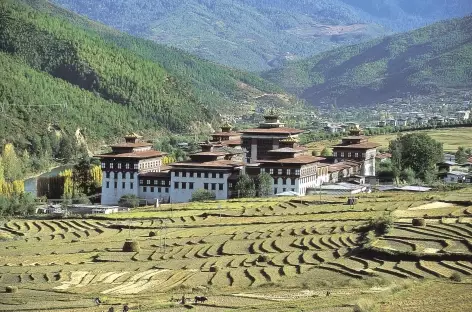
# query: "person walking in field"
125,308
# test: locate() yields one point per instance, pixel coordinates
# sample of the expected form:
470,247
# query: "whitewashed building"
135,168
122,167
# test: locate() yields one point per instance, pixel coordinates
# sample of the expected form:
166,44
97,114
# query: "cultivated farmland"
284,254
451,139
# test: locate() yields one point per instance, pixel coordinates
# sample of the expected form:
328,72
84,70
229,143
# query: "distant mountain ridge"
62,71
420,61
258,35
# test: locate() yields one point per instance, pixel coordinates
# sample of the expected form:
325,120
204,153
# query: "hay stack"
418,222
11,289
131,246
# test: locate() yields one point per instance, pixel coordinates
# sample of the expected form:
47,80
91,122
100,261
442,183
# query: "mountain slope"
420,61
111,83
261,34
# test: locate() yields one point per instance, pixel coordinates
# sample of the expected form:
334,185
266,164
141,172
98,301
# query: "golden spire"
289,140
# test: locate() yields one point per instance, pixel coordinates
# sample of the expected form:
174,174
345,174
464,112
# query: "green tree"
129,201
408,175
82,176
202,195
461,155
264,184
246,186
67,149
326,152
417,151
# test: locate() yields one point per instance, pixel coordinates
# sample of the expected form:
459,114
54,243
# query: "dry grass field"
451,139
264,254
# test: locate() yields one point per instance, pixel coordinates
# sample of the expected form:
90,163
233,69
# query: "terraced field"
241,249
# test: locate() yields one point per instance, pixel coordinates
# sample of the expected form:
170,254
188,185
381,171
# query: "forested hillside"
61,73
261,34
420,61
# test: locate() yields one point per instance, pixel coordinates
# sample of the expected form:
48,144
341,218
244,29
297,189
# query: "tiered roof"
132,148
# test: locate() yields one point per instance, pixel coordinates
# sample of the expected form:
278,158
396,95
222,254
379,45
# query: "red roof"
295,160
342,165
367,145
282,130
224,164
129,145
137,155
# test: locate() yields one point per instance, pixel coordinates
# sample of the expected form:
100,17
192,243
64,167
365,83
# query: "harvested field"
274,253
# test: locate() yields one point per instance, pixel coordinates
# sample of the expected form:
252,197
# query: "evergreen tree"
264,184
461,155
245,186
67,149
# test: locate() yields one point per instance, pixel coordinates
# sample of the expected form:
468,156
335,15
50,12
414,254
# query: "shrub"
418,222
364,305
11,289
131,246
456,277
380,226
152,234
129,201
202,195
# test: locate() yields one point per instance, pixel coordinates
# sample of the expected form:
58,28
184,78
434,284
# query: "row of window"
123,185
159,189
149,164
115,175
206,186
155,182
118,166
349,155
307,179
284,181
206,175
283,171
183,185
